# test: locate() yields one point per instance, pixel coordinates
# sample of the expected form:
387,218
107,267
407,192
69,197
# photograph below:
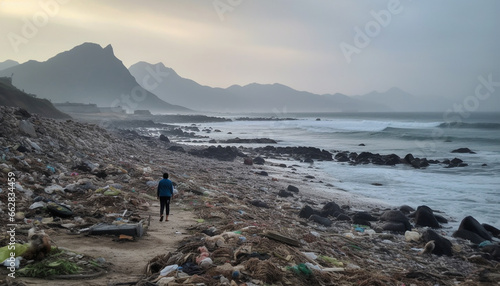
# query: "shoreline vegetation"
256,222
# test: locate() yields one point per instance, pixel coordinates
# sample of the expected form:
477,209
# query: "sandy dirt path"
128,259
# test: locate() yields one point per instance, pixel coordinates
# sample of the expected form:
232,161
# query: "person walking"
165,194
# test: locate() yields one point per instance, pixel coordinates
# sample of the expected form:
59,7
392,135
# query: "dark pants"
165,204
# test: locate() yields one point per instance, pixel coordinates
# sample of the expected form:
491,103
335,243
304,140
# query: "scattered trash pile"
249,230
242,241
65,175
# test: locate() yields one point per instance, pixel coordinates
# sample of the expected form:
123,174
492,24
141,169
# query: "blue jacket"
165,188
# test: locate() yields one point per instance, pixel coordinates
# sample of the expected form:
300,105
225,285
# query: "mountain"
11,96
8,64
87,73
249,98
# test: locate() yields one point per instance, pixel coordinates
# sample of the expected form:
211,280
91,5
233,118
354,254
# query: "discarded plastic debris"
127,229
412,236
168,269
59,210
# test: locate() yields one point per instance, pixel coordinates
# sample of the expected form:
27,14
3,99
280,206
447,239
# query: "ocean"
457,192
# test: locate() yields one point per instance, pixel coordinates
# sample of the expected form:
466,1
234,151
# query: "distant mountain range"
11,96
86,74
89,73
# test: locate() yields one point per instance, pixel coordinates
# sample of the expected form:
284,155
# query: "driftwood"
278,237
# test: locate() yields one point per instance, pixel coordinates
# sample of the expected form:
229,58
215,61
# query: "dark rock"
304,153
343,217
440,218
212,141
220,153
364,216
259,204
250,141
471,224
463,150
409,158
406,209
285,194
361,144
306,212
293,189
22,149
396,216
468,235
394,226
164,138
424,216
491,229
177,149
259,161
442,245
321,220
22,113
331,208
262,173
342,157
392,159
248,161
310,177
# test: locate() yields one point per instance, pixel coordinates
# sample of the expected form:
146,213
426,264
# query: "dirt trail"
128,259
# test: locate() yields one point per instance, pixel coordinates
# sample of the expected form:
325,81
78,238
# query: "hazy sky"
425,47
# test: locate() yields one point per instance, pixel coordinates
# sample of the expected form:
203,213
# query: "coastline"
224,194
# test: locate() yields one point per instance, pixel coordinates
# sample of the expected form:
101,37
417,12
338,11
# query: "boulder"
471,224
164,138
342,157
406,209
306,212
491,229
321,220
292,189
468,235
285,194
262,173
259,161
463,150
342,216
442,245
220,153
396,216
248,161
259,204
331,208
176,149
364,216
394,226
424,216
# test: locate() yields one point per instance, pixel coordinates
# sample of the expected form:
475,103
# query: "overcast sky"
425,47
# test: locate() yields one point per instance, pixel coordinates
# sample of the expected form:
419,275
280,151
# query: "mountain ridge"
87,73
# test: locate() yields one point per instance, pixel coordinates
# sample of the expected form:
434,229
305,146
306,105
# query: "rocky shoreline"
253,229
